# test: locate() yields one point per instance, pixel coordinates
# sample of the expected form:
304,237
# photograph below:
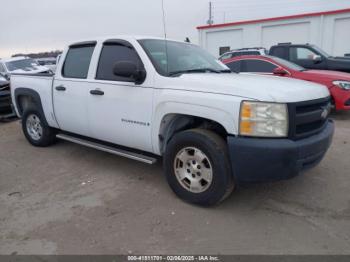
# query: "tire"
35,129
212,154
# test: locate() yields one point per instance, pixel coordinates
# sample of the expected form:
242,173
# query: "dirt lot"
68,199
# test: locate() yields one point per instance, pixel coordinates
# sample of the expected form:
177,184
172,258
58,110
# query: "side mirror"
317,59
279,71
129,70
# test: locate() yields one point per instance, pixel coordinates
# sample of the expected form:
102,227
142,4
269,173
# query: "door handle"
97,92
60,88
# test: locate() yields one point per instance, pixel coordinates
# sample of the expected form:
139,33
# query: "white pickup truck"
146,98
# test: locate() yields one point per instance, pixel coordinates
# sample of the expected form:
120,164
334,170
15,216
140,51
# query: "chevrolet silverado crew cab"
143,98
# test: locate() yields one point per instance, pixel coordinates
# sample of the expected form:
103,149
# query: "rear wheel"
197,167
35,129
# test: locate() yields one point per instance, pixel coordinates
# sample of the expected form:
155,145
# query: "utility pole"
210,20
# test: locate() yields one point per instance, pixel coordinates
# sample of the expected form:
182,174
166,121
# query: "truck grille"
308,118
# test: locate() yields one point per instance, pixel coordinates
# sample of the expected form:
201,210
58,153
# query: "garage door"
341,44
296,33
229,38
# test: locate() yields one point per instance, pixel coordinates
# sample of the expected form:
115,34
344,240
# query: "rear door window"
281,52
257,66
77,61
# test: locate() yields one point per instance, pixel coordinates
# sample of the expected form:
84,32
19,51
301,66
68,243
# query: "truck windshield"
320,51
288,64
172,58
24,64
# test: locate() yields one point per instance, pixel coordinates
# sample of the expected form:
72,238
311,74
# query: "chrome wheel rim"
193,170
34,127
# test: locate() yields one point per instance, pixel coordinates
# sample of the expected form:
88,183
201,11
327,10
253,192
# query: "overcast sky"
44,25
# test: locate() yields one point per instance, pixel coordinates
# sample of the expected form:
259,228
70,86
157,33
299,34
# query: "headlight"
262,119
342,84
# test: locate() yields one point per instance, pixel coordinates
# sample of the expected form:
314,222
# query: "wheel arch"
24,97
173,123
176,117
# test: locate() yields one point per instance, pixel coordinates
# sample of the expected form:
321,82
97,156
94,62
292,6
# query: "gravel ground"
68,199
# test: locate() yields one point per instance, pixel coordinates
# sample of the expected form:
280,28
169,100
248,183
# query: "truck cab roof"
121,37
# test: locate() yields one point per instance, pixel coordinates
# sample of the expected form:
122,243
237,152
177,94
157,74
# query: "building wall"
330,32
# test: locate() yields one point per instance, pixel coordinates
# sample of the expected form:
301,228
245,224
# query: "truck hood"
257,87
342,57
341,60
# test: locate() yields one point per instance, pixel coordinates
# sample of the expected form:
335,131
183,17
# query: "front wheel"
35,129
197,167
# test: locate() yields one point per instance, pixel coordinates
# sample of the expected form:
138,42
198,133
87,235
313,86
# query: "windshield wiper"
197,70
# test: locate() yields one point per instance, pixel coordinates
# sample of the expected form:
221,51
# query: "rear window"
281,52
77,61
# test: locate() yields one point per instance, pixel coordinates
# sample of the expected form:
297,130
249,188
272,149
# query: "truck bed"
41,84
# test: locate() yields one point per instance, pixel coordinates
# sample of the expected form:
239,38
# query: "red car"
338,83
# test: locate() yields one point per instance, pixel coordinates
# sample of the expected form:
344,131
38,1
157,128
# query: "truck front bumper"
341,98
264,160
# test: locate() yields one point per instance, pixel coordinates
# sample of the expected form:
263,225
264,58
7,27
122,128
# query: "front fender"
223,111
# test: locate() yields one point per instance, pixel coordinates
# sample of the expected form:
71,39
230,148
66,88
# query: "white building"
329,30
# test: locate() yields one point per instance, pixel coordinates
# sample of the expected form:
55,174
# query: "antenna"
164,24
165,40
